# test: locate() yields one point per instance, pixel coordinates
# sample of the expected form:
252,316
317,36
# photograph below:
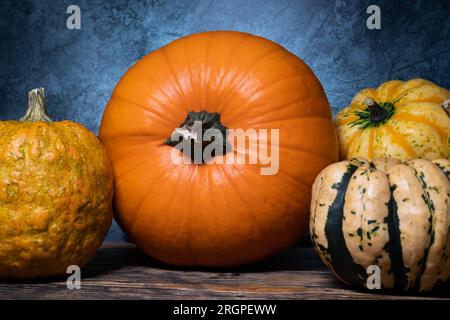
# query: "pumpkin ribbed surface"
216,214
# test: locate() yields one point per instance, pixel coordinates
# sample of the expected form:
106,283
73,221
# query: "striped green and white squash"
388,213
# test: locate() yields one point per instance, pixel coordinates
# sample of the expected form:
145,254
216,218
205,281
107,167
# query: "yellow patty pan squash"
56,193
403,120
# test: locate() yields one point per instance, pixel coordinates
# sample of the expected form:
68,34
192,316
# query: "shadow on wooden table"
116,256
120,270
113,257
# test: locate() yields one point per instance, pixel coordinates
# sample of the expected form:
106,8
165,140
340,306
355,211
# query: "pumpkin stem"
377,112
193,129
36,106
446,107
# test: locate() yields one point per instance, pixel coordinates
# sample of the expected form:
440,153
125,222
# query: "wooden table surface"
121,271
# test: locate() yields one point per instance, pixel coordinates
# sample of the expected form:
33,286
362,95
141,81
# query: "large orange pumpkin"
216,214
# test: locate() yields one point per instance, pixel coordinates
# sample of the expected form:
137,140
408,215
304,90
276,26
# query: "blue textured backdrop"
80,68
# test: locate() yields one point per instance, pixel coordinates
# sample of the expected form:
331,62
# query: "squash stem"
377,112
36,106
446,107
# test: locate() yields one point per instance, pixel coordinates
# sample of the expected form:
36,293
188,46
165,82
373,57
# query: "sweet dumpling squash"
387,213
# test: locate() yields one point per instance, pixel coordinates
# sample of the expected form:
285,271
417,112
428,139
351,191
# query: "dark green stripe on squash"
444,171
343,264
394,245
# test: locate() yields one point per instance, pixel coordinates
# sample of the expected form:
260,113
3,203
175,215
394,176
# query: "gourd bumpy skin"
55,197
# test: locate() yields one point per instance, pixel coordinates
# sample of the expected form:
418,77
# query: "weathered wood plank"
121,271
